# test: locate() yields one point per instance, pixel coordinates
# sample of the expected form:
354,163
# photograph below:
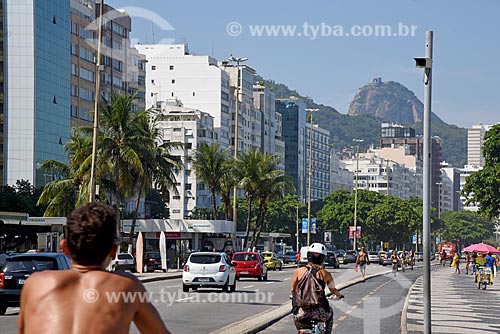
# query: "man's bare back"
79,301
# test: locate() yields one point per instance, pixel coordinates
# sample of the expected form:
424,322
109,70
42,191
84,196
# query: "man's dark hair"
91,233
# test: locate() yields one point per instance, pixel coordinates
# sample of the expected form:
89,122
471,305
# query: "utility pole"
93,167
426,64
309,179
355,234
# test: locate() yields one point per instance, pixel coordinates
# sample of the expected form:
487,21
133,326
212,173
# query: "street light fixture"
358,141
309,178
238,60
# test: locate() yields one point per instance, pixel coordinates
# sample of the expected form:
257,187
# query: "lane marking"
172,286
286,279
341,318
180,300
248,286
269,282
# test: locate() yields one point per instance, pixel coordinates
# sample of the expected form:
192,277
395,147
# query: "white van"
303,257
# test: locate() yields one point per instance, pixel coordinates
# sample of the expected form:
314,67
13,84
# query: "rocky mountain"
389,101
383,102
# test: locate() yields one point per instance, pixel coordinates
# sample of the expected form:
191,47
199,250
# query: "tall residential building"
198,81
36,86
293,113
450,189
475,140
320,173
270,125
340,177
190,127
416,146
464,173
122,68
249,118
2,90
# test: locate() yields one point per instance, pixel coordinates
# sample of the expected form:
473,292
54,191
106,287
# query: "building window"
173,81
74,111
74,90
74,70
171,67
74,49
176,197
152,81
172,94
194,94
187,186
153,68
74,28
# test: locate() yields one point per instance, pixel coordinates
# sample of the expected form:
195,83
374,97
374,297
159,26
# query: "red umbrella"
481,248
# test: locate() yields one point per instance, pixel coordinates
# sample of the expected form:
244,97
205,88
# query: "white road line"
286,279
180,300
172,286
248,286
269,282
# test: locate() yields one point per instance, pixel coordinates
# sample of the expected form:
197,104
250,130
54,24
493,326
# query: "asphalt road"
372,307
209,310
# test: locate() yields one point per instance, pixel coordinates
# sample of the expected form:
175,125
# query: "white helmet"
317,248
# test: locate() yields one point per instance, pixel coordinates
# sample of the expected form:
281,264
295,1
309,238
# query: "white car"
209,270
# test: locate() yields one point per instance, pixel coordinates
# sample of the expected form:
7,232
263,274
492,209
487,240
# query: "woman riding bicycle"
323,312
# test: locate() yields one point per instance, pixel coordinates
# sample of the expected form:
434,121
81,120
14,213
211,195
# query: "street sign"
313,225
304,225
351,232
328,237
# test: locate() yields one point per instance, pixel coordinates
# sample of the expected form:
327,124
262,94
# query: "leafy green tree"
466,227
483,187
209,165
282,214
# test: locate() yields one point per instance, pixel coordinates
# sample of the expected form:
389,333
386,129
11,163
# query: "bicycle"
318,327
394,268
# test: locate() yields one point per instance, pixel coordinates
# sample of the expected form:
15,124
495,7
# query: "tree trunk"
136,209
260,220
249,219
214,204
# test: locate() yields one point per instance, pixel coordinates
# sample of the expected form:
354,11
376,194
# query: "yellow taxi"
272,261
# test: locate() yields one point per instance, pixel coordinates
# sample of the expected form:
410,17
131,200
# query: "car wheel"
281,267
185,288
274,268
164,270
225,288
265,276
3,309
260,277
232,288
134,270
195,288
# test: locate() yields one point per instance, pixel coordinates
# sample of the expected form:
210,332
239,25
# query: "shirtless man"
76,300
361,260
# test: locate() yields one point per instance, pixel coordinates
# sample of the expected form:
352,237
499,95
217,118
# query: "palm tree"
246,172
121,140
272,185
209,163
71,187
226,185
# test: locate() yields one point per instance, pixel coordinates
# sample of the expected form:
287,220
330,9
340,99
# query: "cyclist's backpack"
310,293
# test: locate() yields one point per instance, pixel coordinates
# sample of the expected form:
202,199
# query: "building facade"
172,72
340,177
191,128
37,86
450,189
475,140
320,172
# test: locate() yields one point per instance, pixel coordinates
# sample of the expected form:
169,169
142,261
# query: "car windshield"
266,254
153,255
29,265
350,253
205,258
244,257
372,253
125,256
290,253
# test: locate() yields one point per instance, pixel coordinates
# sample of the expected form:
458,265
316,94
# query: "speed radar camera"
422,62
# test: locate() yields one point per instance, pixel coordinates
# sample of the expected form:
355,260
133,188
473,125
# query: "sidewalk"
457,306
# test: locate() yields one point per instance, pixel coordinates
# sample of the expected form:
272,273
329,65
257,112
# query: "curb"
404,312
265,319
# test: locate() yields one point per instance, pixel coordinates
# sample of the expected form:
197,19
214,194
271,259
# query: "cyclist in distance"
323,312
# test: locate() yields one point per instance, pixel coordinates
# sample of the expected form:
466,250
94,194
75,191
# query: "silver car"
373,257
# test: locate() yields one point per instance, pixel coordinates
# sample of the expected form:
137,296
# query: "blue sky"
330,69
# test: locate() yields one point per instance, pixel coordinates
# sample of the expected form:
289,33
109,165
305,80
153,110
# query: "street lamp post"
238,60
356,194
426,64
309,179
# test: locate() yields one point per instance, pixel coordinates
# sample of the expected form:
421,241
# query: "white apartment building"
464,173
475,140
191,127
172,72
340,177
449,189
382,175
249,118
271,126
320,177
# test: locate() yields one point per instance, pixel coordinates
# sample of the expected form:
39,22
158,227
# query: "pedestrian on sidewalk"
73,301
361,261
456,263
473,257
467,263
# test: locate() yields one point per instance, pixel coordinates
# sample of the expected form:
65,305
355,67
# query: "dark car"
331,260
290,257
152,262
350,257
17,270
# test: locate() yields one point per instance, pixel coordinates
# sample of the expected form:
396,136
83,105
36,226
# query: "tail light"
222,268
152,260
2,280
117,262
186,268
